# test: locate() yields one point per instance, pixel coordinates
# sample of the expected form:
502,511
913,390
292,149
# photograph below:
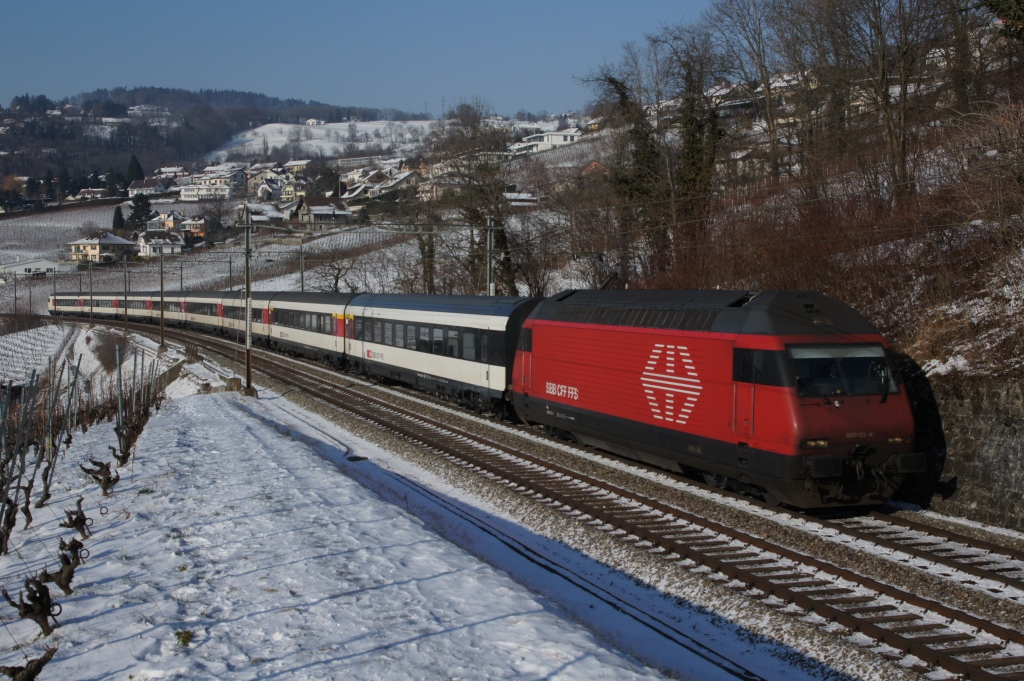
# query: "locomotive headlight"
819,443
899,440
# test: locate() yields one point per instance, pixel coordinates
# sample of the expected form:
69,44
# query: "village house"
407,179
261,214
193,230
166,221
37,267
254,177
104,247
545,141
296,167
159,242
269,189
203,192
293,189
320,214
88,194
170,173
153,186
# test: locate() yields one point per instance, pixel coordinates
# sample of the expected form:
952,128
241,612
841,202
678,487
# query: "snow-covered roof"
103,239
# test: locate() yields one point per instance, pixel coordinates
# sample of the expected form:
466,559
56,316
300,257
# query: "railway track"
895,623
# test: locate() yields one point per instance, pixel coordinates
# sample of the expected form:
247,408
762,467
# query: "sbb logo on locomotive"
669,378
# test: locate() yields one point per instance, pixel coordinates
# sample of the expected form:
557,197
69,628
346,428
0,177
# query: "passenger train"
791,396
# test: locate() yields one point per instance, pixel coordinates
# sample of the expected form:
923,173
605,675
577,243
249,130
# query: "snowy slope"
252,526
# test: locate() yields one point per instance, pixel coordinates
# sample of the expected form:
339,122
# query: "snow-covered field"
23,352
45,235
331,139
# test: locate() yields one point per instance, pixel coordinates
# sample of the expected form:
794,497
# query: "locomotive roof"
502,306
777,313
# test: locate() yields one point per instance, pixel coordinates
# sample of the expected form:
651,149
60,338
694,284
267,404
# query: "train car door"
743,392
743,409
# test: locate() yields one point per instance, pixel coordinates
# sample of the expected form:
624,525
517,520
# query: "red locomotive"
788,395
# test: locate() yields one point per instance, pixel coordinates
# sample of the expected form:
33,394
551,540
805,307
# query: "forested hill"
178,100
98,131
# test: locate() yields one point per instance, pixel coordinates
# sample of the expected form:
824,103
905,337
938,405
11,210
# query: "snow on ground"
288,548
45,235
331,139
29,351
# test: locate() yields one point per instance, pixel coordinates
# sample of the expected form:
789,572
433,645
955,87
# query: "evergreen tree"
1011,12
140,214
134,170
63,183
118,225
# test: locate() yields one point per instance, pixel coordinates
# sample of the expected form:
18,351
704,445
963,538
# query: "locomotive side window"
763,367
525,341
837,370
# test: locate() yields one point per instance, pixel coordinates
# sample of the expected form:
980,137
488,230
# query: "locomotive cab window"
841,370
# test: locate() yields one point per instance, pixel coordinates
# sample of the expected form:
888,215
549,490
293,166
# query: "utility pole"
90,293
490,257
231,275
15,275
163,340
249,390
125,295
181,273
302,270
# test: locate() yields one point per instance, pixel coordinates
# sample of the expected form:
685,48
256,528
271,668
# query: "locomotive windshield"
837,370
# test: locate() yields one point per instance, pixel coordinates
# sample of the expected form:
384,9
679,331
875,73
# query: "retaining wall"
973,431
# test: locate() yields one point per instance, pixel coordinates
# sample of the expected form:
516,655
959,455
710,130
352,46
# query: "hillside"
96,131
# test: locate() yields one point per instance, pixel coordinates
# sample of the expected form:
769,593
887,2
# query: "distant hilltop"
177,99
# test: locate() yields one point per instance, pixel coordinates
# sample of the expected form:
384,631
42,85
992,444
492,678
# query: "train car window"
378,332
423,343
410,337
399,335
358,333
483,346
389,333
234,313
437,346
451,346
469,345
172,306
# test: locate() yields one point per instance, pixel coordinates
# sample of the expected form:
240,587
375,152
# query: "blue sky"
524,55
